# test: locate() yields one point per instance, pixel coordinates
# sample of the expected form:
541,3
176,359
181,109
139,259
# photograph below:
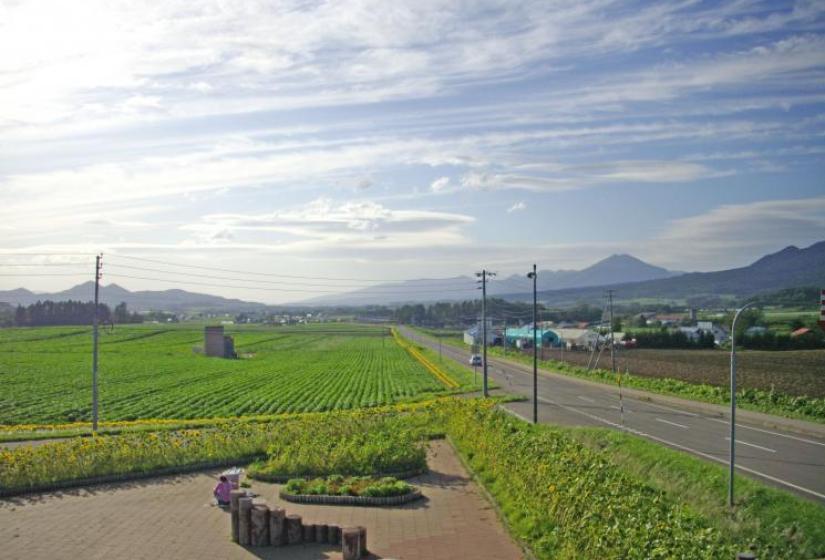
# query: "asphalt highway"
783,458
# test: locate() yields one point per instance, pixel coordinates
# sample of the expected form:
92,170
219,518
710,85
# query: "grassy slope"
764,516
583,488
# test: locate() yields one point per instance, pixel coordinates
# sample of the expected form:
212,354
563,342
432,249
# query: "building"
216,344
577,338
801,332
720,334
474,335
522,337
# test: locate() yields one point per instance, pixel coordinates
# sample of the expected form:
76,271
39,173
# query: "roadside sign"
822,310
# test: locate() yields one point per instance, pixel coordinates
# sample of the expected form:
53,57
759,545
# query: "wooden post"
294,530
277,527
334,534
351,543
234,496
260,525
244,521
322,533
309,533
362,531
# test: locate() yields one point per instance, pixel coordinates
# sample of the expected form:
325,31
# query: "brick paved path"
172,518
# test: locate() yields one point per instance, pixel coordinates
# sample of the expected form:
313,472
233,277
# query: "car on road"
475,360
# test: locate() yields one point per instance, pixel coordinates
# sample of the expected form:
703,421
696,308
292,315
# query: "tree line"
469,312
671,339
49,313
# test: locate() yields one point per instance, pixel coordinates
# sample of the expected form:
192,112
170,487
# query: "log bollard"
277,527
309,533
322,533
362,531
234,496
259,525
746,556
294,530
351,543
334,534
244,521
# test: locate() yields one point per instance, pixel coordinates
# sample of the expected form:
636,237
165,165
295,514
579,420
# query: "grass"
152,372
765,518
593,493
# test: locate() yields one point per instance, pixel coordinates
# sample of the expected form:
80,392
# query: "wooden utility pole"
95,335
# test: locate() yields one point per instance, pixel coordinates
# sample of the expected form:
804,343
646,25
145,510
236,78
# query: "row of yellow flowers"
431,367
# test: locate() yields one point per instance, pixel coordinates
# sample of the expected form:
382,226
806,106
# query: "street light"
733,398
533,275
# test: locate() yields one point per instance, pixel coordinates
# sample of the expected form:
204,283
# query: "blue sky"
389,140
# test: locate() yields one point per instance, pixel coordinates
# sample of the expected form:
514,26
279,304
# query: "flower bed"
355,444
354,490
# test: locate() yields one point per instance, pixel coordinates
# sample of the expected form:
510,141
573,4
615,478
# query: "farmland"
792,372
153,372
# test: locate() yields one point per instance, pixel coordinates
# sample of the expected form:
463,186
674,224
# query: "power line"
193,283
250,273
33,265
22,275
280,283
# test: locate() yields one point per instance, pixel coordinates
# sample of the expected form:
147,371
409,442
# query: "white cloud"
568,177
324,225
440,185
735,234
517,207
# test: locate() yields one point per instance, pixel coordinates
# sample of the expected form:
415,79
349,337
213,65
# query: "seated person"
222,490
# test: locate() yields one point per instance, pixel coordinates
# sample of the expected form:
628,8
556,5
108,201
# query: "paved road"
783,458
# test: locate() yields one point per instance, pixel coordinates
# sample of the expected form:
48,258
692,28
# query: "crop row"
147,373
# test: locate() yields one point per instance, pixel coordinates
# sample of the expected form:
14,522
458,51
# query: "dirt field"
798,372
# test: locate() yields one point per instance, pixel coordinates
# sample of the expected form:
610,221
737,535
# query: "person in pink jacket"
222,490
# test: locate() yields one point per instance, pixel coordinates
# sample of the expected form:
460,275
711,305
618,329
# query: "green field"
155,372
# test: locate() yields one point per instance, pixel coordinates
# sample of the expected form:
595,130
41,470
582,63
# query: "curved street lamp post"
733,399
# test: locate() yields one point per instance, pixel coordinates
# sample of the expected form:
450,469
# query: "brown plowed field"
796,372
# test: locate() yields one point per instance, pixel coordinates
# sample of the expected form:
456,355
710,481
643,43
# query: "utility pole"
535,353
733,399
612,339
98,266
484,274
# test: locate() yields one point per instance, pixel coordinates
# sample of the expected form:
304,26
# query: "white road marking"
797,438
668,408
753,445
689,450
617,408
672,423
586,399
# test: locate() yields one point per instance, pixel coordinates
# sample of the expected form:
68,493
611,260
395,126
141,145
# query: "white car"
475,360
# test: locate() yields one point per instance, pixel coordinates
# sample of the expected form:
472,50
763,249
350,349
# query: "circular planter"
351,500
282,478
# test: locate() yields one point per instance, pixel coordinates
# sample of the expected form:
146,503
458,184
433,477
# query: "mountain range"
789,268
176,301
613,269
630,277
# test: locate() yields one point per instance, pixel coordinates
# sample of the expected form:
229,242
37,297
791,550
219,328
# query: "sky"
318,146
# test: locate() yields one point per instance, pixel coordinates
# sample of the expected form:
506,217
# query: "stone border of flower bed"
371,501
281,479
